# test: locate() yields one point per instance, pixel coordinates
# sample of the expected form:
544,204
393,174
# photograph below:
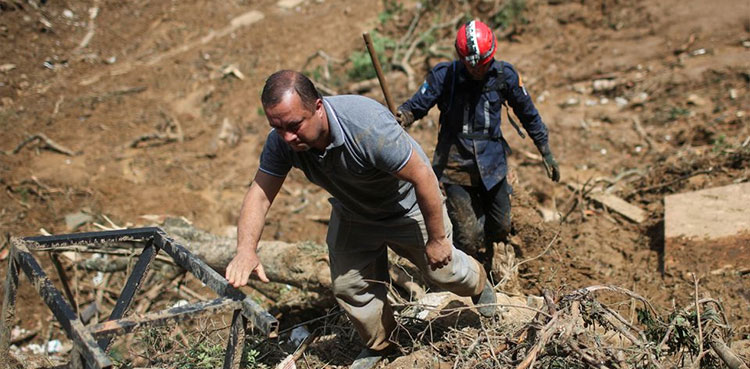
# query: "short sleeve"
276,156
387,146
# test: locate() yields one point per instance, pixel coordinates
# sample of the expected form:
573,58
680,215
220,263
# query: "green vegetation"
392,7
162,348
720,144
361,65
684,333
676,112
510,14
201,355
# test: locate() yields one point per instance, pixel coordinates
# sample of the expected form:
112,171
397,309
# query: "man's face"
299,127
478,72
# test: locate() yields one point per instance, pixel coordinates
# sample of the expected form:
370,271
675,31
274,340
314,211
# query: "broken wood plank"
614,203
620,206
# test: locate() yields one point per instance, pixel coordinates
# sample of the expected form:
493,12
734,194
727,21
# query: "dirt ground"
152,108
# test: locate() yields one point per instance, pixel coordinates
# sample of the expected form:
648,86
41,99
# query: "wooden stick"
698,318
49,144
379,72
726,354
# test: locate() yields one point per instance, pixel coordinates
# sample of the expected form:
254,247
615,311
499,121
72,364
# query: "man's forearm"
430,204
252,219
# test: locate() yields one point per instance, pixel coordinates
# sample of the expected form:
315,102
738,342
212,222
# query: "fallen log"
302,265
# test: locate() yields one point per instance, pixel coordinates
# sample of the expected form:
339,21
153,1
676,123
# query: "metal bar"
135,280
9,309
233,354
135,234
164,317
260,318
64,281
64,314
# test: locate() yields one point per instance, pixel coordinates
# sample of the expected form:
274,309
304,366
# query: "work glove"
550,164
404,117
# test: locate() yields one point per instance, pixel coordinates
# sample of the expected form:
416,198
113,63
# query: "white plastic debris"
67,13
429,302
180,303
621,101
35,348
98,278
54,346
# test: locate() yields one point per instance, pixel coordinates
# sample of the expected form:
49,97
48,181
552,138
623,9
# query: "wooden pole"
379,72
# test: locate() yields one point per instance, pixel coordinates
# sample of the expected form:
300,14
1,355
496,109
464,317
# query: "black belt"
486,137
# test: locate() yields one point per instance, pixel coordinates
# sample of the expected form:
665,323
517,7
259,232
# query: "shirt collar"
334,126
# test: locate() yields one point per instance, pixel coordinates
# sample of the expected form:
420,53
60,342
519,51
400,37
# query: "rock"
74,220
288,4
696,100
602,85
572,101
434,305
548,215
640,98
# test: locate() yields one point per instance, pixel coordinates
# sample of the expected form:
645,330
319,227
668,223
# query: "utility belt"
481,136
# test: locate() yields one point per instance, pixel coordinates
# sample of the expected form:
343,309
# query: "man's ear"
319,108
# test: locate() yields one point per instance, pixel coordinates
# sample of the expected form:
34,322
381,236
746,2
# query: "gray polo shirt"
367,146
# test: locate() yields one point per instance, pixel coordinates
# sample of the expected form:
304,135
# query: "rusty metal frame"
92,342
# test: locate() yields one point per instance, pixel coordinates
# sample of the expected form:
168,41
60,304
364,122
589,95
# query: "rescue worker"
470,156
384,194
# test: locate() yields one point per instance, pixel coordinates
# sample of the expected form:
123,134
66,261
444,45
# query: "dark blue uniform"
470,157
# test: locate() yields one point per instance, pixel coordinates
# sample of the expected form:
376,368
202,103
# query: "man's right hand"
404,117
244,263
439,252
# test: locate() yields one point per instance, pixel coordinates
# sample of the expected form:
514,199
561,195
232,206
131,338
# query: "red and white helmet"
475,43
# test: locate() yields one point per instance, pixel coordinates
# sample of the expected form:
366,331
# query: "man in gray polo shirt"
385,194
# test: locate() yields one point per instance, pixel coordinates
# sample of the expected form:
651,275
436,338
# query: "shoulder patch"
424,87
520,84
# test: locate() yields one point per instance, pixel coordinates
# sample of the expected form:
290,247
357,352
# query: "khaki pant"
359,268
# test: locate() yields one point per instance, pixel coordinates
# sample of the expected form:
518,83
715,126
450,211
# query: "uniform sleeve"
427,95
523,107
276,157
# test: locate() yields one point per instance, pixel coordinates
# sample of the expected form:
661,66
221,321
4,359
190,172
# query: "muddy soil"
152,108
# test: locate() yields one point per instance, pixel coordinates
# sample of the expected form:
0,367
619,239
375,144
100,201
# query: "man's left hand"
550,164
439,252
